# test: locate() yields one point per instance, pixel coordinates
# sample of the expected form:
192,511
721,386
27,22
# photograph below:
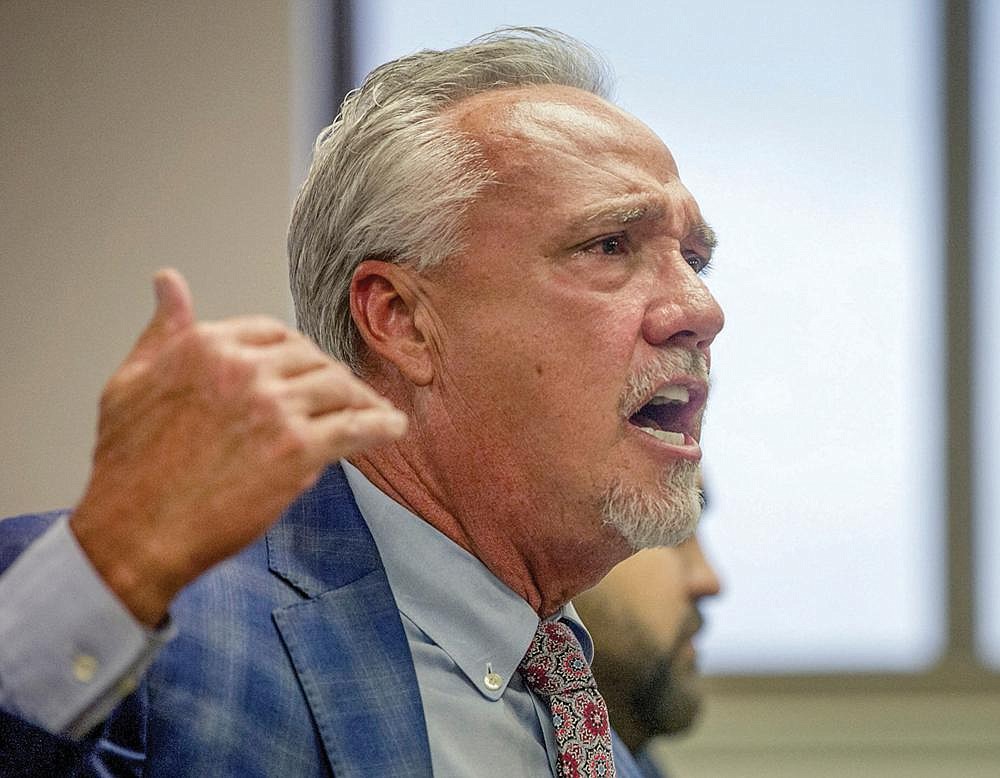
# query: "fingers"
258,330
331,389
342,412
344,432
297,355
174,312
173,297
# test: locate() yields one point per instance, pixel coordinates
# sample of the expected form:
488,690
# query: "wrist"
138,579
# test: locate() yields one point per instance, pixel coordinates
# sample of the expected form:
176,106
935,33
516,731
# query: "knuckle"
348,383
199,344
264,324
350,427
312,355
232,376
264,407
276,324
342,372
333,367
201,335
292,443
229,369
296,335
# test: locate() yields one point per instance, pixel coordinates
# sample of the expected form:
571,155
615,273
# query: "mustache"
667,365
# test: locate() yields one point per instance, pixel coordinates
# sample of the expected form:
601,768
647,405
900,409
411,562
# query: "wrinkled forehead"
513,125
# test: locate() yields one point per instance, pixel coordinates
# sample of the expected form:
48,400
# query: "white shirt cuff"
69,649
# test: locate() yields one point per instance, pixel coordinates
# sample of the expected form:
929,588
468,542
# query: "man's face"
572,335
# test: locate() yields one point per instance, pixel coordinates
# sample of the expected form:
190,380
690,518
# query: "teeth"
671,395
674,438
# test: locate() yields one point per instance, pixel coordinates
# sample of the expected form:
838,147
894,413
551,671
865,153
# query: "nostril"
688,338
704,345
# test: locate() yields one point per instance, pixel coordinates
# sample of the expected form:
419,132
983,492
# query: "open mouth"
668,415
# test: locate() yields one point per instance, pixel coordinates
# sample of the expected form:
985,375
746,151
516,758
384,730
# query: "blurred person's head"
642,617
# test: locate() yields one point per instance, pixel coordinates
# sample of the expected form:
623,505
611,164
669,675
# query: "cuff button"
84,667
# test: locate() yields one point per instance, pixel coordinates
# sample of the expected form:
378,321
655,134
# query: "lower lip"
690,450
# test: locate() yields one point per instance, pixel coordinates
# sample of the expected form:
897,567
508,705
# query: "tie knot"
554,662
555,669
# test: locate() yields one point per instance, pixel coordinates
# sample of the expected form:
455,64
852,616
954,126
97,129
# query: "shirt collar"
450,595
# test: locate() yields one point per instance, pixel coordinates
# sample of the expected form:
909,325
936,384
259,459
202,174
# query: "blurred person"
643,617
351,550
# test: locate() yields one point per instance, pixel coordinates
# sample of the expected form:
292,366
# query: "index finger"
333,388
256,330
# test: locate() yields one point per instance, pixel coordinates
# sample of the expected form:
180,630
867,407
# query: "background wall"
134,136
855,733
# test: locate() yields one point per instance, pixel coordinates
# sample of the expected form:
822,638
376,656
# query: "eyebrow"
631,210
628,210
706,235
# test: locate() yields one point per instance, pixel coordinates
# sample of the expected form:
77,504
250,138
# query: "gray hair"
391,180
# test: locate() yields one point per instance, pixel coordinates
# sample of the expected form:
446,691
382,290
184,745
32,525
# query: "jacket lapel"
345,639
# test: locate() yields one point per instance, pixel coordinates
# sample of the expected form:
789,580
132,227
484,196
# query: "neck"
532,550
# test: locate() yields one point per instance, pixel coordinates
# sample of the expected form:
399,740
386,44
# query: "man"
514,264
643,617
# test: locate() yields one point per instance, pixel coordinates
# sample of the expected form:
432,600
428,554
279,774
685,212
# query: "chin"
678,711
664,515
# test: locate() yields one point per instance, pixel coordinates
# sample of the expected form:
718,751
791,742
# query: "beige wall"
841,735
134,136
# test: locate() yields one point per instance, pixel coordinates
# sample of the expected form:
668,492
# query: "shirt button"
492,681
84,667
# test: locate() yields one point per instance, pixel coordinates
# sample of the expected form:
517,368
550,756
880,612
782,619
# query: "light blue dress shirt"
468,633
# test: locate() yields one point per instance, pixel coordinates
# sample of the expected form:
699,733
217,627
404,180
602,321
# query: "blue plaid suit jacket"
290,660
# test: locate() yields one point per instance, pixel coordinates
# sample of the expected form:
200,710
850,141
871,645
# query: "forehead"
571,151
560,116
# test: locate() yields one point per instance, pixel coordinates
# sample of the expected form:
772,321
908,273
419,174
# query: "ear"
384,304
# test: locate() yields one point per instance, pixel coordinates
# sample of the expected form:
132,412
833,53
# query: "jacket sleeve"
117,748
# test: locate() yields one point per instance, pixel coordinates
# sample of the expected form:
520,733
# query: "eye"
701,265
609,246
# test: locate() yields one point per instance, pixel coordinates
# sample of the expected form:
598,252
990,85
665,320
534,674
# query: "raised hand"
207,431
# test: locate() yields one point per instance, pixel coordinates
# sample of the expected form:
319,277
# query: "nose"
683,311
701,580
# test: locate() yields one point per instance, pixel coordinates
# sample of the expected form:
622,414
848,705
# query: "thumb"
174,311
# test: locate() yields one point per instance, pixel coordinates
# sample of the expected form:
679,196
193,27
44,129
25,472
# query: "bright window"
808,133
987,327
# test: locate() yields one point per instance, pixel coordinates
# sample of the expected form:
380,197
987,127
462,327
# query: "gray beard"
664,516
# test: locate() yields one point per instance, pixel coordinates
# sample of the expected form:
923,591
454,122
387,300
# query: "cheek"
577,369
562,354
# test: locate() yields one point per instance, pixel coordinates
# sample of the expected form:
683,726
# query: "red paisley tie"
556,670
